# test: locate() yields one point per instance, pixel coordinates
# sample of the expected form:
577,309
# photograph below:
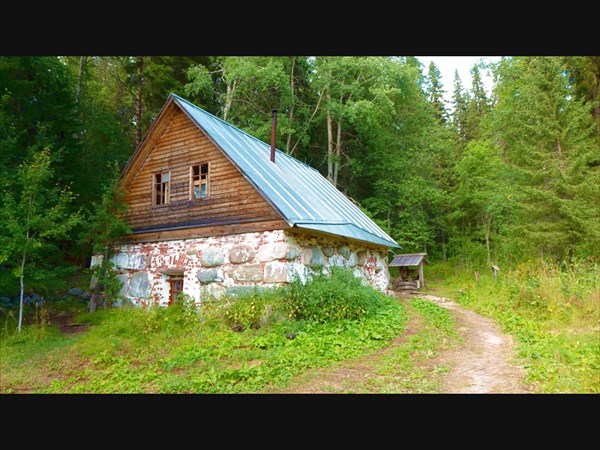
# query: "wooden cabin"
214,210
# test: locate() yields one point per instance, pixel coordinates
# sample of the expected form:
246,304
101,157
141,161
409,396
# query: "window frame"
167,199
192,197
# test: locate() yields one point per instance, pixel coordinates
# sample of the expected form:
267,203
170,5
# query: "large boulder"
75,291
123,278
275,272
247,273
361,258
296,270
212,257
130,261
344,251
352,260
210,292
317,259
140,285
293,252
212,275
270,252
328,251
337,260
241,253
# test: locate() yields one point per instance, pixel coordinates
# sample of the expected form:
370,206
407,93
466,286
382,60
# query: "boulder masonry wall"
213,266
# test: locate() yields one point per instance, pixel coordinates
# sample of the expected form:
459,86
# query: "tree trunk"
104,67
82,65
98,298
22,281
93,303
596,97
487,227
338,154
487,247
21,297
291,113
23,260
560,154
329,149
138,100
229,97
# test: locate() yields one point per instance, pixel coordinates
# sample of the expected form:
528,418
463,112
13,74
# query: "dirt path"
484,362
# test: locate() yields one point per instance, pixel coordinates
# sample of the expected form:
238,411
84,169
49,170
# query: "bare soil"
64,321
485,362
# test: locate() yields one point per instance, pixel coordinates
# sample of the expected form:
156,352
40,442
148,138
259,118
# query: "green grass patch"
410,368
553,311
180,350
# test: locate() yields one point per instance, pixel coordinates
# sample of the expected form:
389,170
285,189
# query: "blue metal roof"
304,197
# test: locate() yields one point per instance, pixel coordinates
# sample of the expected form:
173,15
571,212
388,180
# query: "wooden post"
421,275
495,270
477,277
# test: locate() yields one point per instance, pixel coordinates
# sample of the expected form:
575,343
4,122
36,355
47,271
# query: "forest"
487,179
508,178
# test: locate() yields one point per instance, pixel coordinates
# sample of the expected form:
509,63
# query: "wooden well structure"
411,271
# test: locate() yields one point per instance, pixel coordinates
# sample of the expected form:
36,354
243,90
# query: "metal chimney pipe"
273,134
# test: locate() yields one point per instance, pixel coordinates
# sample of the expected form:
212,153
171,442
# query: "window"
161,188
199,181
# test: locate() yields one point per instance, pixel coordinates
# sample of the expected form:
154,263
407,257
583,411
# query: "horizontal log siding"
181,145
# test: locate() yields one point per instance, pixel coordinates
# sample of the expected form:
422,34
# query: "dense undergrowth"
246,344
552,310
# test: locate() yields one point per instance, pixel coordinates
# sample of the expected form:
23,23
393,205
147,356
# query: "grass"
406,365
553,312
411,367
169,350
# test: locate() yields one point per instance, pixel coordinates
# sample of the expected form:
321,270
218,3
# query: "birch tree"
35,215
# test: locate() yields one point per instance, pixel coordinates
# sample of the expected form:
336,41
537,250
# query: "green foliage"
104,226
189,309
436,315
35,215
483,201
435,92
252,310
336,296
124,350
106,221
107,286
548,137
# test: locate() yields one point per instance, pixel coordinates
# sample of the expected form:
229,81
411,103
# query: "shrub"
188,314
326,298
251,310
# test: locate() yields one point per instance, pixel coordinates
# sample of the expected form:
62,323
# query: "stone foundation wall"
233,263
